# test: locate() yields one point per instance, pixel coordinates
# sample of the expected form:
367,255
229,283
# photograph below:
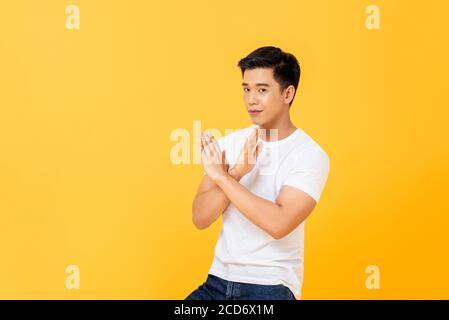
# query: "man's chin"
256,121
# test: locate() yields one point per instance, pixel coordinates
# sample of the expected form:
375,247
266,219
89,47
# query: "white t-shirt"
246,253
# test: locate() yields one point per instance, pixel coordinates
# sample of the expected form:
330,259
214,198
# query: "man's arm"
210,201
277,219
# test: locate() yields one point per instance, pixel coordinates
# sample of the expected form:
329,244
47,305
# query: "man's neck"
282,130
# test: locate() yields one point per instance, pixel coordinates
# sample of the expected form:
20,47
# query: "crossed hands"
215,163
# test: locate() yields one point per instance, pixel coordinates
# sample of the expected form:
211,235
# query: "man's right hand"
248,156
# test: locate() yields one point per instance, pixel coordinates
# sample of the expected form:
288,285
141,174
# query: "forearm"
266,214
208,206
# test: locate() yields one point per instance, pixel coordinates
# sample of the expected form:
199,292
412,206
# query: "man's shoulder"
306,149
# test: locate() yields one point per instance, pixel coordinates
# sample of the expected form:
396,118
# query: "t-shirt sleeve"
309,173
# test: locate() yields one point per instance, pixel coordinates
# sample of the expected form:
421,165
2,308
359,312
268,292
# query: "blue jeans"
216,288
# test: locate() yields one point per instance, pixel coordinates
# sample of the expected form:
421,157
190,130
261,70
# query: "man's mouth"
254,112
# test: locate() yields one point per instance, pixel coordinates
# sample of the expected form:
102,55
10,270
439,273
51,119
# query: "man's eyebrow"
257,84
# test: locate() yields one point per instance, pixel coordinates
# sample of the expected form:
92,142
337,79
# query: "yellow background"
86,116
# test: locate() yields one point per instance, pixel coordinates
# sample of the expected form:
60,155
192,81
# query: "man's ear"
289,93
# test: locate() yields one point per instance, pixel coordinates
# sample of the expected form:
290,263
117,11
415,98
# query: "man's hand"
248,156
214,161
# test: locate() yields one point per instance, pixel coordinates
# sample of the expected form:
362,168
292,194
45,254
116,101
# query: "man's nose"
252,99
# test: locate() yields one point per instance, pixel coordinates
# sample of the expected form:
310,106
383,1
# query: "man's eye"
262,90
245,89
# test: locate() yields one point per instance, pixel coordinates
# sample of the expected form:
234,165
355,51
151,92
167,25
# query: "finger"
209,155
205,139
207,147
254,131
223,156
249,141
205,150
209,136
204,157
252,158
254,136
217,154
204,154
254,144
213,149
258,149
214,146
225,161
202,141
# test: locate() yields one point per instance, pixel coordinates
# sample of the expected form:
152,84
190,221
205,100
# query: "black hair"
286,69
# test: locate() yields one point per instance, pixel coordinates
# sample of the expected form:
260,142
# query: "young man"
264,180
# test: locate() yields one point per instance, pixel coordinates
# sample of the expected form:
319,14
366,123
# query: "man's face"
262,94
